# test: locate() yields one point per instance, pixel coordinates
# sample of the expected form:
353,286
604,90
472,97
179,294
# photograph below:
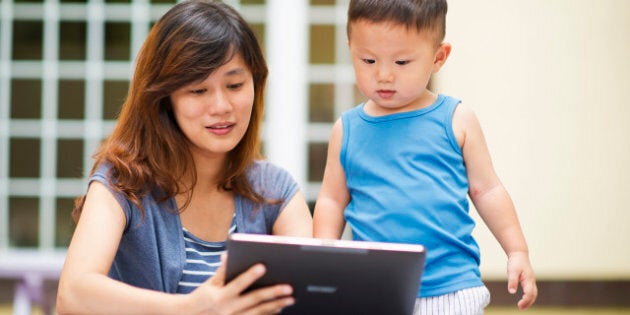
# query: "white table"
31,269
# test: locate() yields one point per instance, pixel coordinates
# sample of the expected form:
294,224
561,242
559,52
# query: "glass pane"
69,158
117,1
322,44
71,99
64,224
23,222
114,96
253,2
27,40
321,103
24,157
262,147
259,30
72,38
117,41
358,96
316,161
162,1
26,98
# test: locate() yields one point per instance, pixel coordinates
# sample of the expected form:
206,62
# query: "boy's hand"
519,270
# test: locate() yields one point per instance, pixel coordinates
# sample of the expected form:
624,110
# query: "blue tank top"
407,181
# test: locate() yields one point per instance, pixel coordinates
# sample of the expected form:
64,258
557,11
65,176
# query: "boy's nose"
385,74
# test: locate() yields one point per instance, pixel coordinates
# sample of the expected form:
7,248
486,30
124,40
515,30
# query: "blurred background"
549,80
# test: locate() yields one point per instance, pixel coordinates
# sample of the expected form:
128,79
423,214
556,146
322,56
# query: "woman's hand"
216,297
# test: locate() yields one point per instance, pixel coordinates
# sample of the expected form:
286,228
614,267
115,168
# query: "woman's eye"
235,86
369,61
198,91
402,62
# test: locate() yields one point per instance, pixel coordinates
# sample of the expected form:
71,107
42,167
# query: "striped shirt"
202,260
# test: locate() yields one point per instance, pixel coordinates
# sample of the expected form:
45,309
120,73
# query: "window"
64,75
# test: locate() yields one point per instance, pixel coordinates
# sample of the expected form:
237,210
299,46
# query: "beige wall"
550,82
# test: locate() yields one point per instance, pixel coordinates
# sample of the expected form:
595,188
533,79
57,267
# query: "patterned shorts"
471,301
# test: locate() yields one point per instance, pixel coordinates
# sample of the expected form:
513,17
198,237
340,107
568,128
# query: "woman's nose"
219,104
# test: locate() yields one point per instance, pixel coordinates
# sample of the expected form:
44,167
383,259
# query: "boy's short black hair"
414,14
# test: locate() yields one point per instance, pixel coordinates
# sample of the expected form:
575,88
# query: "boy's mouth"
385,93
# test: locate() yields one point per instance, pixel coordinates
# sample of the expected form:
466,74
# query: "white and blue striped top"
202,260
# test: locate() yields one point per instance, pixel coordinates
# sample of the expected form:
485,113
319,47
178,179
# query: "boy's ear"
441,55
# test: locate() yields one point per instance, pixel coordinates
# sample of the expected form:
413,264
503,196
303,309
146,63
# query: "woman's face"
214,113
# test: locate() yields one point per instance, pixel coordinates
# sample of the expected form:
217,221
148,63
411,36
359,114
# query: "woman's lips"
221,129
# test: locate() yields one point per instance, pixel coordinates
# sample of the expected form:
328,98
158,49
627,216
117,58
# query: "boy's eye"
402,62
369,61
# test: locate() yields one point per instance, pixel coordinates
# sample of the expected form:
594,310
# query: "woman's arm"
295,219
328,220
85,288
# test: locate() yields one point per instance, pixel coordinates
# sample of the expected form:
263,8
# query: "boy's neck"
427,99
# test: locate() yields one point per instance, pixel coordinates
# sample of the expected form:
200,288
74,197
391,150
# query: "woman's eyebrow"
234,72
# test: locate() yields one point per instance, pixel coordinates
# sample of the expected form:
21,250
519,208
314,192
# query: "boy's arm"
494,204
328,221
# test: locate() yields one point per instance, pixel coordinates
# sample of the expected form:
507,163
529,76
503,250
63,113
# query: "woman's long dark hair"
147,151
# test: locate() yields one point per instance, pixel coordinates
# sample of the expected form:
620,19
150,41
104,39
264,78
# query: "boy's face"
393,65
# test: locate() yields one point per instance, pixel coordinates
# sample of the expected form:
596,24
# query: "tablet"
333,276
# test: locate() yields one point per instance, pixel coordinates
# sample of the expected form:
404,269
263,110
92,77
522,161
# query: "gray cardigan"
151,252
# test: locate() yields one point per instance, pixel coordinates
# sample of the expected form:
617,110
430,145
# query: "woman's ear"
442,53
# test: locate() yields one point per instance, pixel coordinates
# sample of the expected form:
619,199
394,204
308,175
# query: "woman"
181,171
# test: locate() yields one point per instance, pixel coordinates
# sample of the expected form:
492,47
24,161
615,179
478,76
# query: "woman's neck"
209,169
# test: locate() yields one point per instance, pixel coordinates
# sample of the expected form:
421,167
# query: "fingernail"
259,269
288,290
